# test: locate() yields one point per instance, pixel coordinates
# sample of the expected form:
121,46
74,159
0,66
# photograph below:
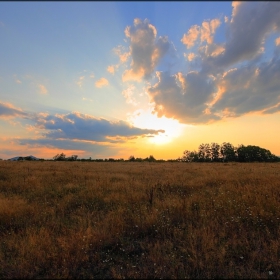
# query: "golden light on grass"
139,220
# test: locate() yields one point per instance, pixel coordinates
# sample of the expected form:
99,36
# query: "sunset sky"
115,79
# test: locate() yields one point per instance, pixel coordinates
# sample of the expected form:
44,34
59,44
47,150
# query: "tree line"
213,152
226,152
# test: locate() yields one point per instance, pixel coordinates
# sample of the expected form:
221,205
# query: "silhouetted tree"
215,152
131,158
59,157
228,152
151,158
204,152
190,156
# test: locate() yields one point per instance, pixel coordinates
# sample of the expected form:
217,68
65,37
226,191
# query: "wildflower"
270,272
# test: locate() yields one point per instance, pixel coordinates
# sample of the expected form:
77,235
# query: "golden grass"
139,220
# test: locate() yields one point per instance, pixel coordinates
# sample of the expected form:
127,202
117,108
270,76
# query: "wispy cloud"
80,81
111,69
102,83
128,94
42,89
7,110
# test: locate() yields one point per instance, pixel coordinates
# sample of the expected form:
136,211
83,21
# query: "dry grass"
139,220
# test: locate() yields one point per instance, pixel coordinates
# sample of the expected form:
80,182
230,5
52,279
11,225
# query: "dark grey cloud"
85,127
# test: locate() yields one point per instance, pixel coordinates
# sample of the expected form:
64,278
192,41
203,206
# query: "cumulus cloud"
220,87
8,110
190,38
85,127
101,83
183,97
250,25
146,50
250,88
42,89
199,98
204,33
208,30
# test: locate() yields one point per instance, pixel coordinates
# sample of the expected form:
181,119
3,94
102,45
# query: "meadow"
139,220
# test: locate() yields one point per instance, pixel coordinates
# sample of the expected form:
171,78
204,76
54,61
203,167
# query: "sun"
146,119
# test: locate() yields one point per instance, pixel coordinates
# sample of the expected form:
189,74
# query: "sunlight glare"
146,119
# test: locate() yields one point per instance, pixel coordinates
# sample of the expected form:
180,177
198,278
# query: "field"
139,220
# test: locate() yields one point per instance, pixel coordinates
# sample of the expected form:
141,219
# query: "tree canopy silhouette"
227,152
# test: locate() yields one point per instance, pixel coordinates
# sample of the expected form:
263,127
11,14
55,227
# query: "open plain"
139,220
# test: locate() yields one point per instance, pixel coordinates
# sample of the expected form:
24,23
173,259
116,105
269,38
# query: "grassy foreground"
139,220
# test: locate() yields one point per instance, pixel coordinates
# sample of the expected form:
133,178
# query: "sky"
115,79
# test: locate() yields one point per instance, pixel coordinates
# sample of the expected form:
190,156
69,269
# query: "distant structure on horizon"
23,158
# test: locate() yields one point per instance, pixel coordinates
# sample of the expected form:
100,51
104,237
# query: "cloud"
251,88
101,83
80,81
96,150
200,98
191,56
85,127
205,33
122,54
42,89
277,41
250,25
183,97
190,38
146,50
128,94
111,69
272,110
8,110
208,30
87,99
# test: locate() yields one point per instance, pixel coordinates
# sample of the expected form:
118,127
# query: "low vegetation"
139,220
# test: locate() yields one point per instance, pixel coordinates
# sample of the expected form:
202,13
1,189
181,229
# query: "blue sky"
102,79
